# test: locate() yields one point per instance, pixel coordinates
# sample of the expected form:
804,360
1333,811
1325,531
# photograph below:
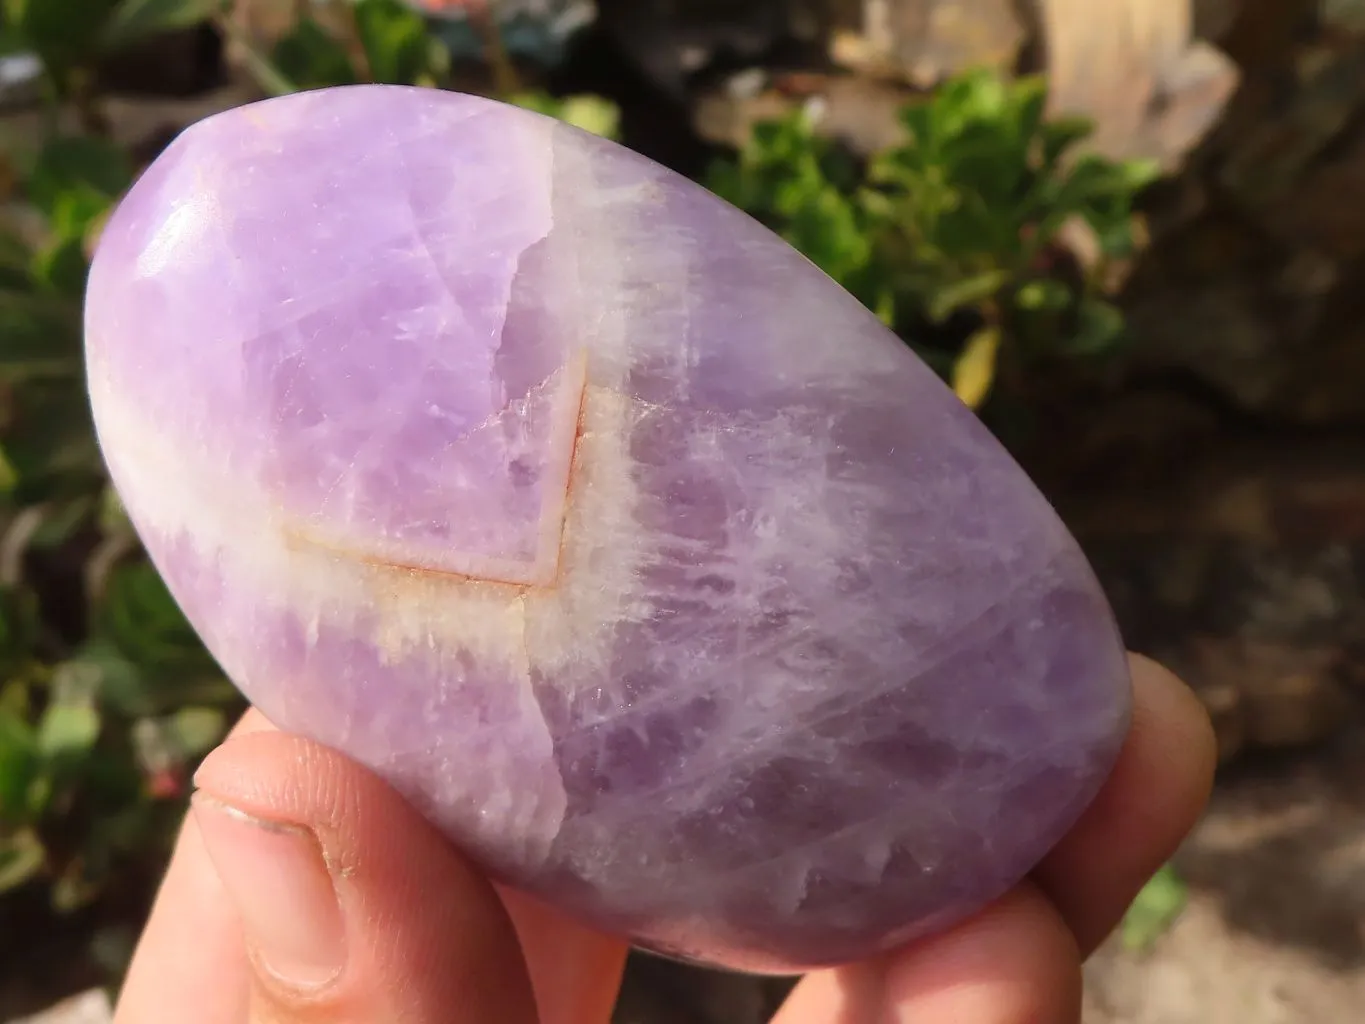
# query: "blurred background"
1129,233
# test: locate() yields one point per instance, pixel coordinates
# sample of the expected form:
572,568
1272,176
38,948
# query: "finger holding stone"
190,962
1154,796
575,971
1016,962
352,906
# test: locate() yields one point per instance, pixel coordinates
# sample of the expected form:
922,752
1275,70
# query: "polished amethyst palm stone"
636,553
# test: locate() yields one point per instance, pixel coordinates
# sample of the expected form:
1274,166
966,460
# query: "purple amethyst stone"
636,553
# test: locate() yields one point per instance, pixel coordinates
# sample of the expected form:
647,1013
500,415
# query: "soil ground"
1274,932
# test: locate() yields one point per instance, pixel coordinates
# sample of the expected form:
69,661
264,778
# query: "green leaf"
972,231
593,114
397,46
19,766
974,371
9,478
68,729
726,180
1135,175
1100,326
16,259
1044,295
64,33
1156,908
50,441
310,58
590,113
917,120
968,291
1094,179
883,305
1115,235
12,40
123,689
134,20
62,266
195,731
974,96
19,627
795,182
1029,100
22,859
77,178
1059,134
112,516
62,521
141,618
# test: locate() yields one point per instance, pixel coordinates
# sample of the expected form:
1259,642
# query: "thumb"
351,907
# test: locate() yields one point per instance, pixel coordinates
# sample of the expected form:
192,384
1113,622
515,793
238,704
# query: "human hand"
304,890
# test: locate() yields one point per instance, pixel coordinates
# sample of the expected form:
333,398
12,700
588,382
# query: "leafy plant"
381,41
386,41
71,37
106,695
959,224
590,113
812,192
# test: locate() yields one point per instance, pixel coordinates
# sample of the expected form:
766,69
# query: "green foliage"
106,695
397,48
310,58
962,219
805,187
63,33
1155,909
71,36
137,19
590,113
386,41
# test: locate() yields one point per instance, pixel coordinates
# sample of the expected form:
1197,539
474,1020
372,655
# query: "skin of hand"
304,890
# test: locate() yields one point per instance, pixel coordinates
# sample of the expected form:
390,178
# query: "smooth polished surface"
631,549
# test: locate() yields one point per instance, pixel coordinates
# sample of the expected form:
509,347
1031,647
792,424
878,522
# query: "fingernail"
275,875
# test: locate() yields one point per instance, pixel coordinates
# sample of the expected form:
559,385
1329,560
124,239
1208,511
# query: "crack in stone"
542,572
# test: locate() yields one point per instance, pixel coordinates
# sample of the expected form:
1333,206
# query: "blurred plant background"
1137,254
